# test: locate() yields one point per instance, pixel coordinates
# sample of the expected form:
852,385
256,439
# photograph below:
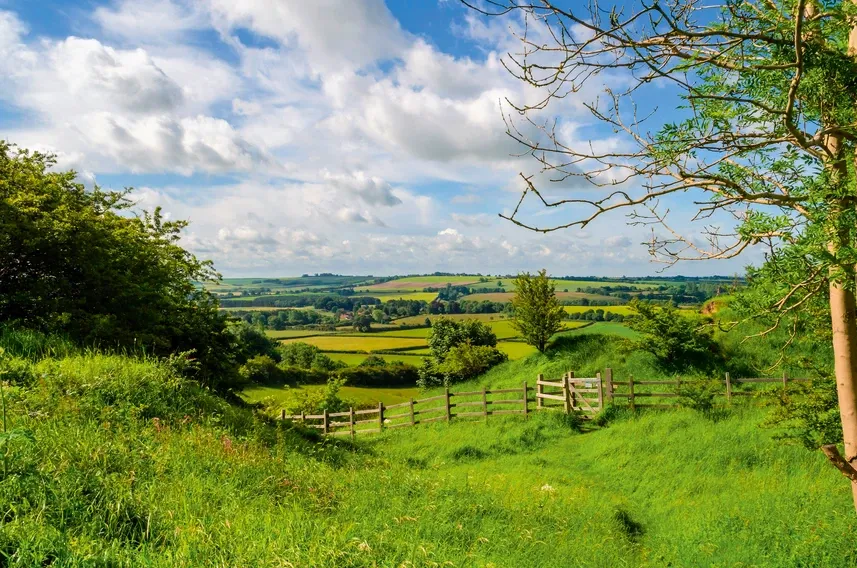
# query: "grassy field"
417,332
419,320
516,349
560,285
604,328
507,297
353,359
397,295
360,395
364,343
125,463
294,333
418,283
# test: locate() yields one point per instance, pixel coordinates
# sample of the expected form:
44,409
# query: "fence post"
600,392
608,383
448,408
728,389
785,380
303,418
282,414
485,403
677,387
380,417
539,390
631,393
572,391
351,420
325,425
566,393
525,400
412,413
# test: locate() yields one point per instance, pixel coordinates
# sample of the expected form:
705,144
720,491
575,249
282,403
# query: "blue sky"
350,136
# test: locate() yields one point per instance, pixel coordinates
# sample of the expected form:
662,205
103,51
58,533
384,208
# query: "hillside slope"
120,462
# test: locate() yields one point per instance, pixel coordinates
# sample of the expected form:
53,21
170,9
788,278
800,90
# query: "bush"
307,356
392,375
678,342
316,401
262,370
373,361
446,334
462,362
251,341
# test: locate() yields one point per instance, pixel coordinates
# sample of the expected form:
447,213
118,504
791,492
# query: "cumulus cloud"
372,190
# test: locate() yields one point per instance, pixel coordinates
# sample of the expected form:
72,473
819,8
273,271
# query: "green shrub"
307,356
373,361
462,362
390,375
446,334
315,401
262,370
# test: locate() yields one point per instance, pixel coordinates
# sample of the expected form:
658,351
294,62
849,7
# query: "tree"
677,341
362,322
764,139
78,262
538,314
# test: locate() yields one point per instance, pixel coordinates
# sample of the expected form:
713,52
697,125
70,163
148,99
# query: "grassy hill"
115,461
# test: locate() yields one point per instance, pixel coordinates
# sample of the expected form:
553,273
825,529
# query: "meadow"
418,283
132,465
507,297
276,397
365,343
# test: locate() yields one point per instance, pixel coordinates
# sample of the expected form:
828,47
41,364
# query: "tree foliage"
677,341
461,350
538,314
79,262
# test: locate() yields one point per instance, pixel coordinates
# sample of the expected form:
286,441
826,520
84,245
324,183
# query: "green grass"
419,320
417,332
604,328
365,344
294,333
516,349
363,396
353,359
124,463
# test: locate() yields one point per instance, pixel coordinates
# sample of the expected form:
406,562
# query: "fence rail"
422,411
570,394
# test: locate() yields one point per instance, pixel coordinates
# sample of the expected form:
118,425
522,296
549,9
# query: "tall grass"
125,463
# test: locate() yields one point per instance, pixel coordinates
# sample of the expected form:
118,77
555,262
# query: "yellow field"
515,349
354,359
624,310
481,317
397,295
364,344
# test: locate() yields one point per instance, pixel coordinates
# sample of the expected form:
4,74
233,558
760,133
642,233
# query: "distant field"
354,359
507,297
570,285
604,328
418,332
416,320
624,310
287,333
516,349
417,283
388,295
363,396
365,343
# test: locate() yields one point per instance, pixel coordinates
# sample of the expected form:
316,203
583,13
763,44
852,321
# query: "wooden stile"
600,393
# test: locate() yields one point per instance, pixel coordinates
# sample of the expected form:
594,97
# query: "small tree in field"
763,144
538,314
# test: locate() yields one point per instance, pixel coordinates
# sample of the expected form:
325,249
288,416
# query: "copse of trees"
77,262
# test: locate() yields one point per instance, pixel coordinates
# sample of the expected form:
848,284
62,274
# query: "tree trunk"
843,315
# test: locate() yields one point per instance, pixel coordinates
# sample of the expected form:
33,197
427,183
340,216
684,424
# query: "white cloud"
476,220
372,190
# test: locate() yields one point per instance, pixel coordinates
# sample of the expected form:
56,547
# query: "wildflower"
547,487
364,547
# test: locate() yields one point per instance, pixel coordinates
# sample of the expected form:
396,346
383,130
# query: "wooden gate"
572,394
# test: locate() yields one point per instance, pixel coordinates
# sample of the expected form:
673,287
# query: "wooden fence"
585,396
445,407
630,391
